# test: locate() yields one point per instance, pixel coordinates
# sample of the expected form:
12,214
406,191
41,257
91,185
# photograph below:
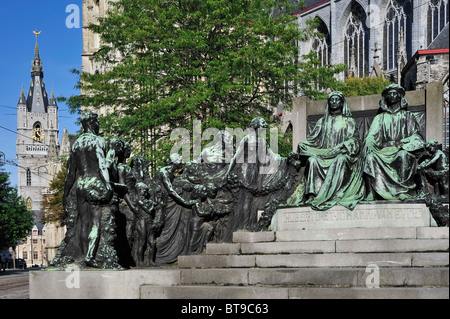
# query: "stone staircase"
410,262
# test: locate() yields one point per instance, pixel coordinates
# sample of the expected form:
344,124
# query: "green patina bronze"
330,152
119,217
391,148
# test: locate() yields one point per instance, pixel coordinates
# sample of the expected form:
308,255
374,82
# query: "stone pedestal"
366,215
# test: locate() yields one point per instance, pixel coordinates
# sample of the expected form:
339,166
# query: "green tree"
52,209
168,63
317,78
15,220
355,86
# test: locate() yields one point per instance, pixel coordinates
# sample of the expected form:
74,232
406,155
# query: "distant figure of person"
3,262
390,150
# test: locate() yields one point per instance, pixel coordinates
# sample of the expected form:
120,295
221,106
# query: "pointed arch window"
322,44
28,177
394,29
396,32
437,18
446,114
356,45
29,203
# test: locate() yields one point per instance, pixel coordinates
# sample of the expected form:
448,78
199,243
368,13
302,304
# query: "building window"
437,19
446,142
25,254
29,203
356,46
35,255
322,44
28,177
35,241
394,29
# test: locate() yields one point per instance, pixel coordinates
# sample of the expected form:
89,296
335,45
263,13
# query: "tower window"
29,202
28,177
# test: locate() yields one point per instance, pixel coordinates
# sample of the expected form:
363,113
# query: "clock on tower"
38,134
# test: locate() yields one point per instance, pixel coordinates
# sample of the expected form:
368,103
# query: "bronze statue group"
117,216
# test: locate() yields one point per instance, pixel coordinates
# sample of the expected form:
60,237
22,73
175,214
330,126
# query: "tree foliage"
52,206
317,79
166,63
15,220
354,86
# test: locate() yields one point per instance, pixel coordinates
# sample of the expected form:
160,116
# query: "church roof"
441,41
308,5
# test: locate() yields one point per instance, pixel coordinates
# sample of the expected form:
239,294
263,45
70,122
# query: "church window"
446,114
437,19
356,45
29,203
322,44
28,177
393,30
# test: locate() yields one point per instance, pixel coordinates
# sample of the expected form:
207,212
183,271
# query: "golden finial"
36,48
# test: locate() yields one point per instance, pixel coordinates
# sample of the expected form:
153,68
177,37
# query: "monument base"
98,284
365,215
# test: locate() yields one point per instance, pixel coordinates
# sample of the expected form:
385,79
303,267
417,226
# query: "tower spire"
37,63
36,47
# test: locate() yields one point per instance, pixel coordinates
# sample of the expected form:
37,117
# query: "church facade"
373,35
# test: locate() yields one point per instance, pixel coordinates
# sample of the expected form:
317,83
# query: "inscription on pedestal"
368,215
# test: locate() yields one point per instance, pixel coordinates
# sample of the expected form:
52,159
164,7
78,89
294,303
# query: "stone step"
345,277
343,234
412,259
330,246
236,292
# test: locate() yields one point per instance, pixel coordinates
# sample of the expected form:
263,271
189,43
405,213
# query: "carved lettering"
346,215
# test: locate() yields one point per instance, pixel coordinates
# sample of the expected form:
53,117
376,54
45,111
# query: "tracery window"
322,44
438,18
446,114
356,46
394,29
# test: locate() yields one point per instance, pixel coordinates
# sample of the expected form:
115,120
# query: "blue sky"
60,51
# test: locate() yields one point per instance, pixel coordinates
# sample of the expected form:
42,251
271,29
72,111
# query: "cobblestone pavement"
14,284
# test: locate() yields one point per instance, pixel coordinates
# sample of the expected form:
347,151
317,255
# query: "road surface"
14,283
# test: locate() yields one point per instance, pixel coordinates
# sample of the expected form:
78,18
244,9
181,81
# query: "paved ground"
14,283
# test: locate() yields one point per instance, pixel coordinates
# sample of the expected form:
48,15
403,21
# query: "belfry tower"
37,137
